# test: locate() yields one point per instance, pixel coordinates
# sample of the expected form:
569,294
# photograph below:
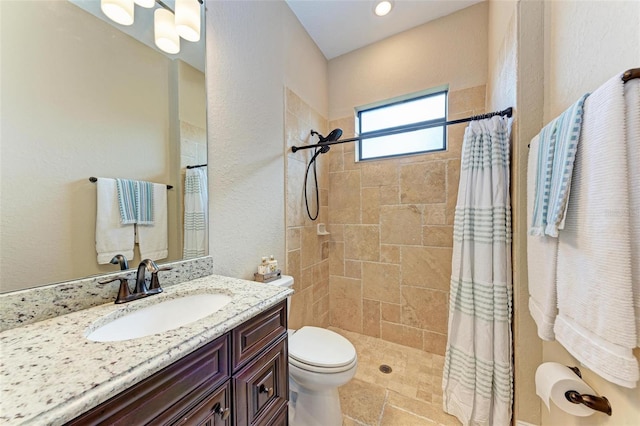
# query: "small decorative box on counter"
268,277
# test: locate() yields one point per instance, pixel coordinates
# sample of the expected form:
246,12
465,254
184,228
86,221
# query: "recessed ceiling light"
383,7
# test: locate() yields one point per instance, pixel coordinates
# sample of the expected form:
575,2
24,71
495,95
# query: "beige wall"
450,50
391,236
69,112
586,43
391,224
307,252
255,49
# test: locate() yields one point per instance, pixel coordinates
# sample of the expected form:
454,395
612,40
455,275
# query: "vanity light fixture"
188,19
120,11
145,3
383,7
167,26
164,31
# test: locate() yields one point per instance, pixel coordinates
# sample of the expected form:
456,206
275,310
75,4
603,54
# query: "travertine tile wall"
391,224
307,252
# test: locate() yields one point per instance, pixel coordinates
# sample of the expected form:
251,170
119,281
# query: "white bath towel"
595,321
112,237
632,101
542,255
153,239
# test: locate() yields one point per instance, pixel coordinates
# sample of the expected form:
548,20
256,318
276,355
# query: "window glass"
426,113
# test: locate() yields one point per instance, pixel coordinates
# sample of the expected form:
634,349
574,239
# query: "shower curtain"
195,213
477,378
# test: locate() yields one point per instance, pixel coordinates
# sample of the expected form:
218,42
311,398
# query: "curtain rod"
95,179
195,167
419,126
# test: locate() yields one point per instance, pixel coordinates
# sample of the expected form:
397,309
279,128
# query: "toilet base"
313,408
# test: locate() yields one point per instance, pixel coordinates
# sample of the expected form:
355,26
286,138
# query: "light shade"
188,19
383,7
145,3
164,29
120,11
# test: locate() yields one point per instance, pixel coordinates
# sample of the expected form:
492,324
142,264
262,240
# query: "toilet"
319,362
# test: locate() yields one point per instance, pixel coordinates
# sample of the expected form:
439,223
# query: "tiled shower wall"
391,224
307,252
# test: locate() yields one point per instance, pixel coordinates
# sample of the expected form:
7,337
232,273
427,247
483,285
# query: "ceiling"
340,26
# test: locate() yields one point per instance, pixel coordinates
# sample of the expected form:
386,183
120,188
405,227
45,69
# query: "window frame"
389,131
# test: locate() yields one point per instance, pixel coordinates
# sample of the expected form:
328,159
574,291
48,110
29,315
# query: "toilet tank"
287,282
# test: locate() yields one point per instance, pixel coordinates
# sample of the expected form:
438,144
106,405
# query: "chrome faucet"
141,284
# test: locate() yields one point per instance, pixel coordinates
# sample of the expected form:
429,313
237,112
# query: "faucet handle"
124,292
155,282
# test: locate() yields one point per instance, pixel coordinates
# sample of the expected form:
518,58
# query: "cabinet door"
161,397
213,411
261,388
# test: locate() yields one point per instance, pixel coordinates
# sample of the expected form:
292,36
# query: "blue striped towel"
135,199
144,203
556,155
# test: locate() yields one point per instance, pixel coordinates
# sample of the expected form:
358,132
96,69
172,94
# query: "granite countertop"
50,373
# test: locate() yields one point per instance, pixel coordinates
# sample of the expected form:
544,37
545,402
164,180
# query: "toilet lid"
321,347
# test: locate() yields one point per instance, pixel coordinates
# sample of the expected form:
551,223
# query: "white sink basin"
163,316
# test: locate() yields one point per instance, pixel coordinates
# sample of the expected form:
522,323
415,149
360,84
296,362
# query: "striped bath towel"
135,199
144,203
558,146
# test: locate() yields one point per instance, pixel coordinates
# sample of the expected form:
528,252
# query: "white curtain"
195,213
477,379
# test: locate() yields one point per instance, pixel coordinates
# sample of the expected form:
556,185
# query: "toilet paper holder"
598,403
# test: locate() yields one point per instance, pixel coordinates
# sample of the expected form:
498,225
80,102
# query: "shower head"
333,136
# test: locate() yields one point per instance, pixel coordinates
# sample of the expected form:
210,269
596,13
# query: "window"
409,126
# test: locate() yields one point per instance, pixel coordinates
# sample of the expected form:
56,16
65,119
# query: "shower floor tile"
409,395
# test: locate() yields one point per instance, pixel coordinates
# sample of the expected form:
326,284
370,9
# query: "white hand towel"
542,255
595,321
632,101
112,237
153,239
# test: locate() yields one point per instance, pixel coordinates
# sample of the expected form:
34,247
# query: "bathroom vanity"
240,378
229,368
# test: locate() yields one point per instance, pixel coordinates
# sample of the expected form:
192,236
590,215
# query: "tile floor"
409,395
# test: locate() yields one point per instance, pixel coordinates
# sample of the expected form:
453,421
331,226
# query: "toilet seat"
320,350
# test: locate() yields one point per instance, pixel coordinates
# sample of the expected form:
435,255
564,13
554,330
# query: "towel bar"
95,179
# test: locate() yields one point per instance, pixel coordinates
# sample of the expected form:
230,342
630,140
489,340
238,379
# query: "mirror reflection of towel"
153,239
135,199
112,237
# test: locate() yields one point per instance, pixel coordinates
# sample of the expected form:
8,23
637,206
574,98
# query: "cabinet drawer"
281,418
215,410
194,375
254,335
261,388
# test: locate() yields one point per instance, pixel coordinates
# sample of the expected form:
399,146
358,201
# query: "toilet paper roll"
553,380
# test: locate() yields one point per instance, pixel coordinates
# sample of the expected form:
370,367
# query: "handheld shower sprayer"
323,148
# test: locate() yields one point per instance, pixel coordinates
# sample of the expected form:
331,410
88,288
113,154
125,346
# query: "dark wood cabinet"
240,378
261,388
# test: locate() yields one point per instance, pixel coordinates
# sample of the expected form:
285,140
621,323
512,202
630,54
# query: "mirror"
81,98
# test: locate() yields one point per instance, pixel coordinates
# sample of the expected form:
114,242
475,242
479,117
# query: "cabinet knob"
268,391
222,412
